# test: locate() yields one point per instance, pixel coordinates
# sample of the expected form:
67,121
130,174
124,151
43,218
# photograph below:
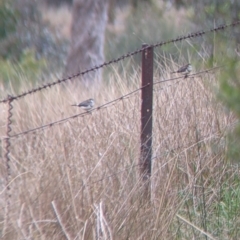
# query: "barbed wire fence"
10,99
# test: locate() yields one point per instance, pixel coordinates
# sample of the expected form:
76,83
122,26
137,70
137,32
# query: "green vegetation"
25,71
16,61
27,47
8,19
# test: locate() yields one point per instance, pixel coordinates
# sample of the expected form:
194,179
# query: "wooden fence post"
146,113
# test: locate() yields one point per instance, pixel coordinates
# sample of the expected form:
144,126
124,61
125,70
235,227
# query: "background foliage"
27,45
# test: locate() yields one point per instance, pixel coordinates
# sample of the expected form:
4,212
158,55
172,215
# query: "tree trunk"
89,19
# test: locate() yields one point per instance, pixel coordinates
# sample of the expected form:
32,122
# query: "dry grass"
80,179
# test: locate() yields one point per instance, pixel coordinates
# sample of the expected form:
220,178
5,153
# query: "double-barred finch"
86,105
185,69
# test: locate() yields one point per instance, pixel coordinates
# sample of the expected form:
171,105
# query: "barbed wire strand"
158,44
8,168
106,104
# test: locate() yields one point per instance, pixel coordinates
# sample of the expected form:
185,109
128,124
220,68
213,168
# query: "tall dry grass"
80,179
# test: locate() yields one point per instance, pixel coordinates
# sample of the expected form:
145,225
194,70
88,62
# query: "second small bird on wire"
185,69
86,105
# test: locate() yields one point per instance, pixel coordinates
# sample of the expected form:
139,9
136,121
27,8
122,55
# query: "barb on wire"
158,44
7,158
74,116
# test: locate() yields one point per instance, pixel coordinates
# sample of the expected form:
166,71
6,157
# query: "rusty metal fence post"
146,113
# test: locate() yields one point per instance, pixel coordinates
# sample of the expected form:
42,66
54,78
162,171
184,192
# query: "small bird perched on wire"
185,69
86,105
